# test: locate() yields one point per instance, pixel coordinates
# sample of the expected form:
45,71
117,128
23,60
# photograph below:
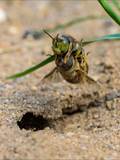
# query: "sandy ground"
57,120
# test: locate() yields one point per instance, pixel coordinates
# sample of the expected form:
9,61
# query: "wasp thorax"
60,44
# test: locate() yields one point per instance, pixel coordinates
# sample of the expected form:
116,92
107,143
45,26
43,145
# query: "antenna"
48,34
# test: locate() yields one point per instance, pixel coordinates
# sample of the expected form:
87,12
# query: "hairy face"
60,44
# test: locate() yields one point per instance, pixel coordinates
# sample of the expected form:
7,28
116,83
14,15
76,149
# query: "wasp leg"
81,43
49,55
53,76
88,84
68,53
87,53
89,80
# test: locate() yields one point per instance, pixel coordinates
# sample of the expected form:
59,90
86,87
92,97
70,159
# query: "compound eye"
63,45
65,40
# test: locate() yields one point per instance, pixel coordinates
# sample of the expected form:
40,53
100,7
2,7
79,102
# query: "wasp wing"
53,76
89,84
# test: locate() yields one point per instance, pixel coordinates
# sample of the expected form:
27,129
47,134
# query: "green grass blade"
31,69
103,38
106,5
75,21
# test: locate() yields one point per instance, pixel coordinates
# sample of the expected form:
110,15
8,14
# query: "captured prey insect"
70,59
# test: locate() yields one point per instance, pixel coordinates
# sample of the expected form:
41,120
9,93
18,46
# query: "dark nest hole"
29,121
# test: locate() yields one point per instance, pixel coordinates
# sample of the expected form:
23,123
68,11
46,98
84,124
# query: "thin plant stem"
40,34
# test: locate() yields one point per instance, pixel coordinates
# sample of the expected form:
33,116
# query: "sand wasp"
70,59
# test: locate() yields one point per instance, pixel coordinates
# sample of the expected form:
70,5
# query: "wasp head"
60,44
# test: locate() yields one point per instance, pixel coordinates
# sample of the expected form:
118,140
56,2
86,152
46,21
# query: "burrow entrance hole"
29,121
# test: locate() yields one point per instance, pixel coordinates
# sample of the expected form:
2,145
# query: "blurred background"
22,15
85,133
19,16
